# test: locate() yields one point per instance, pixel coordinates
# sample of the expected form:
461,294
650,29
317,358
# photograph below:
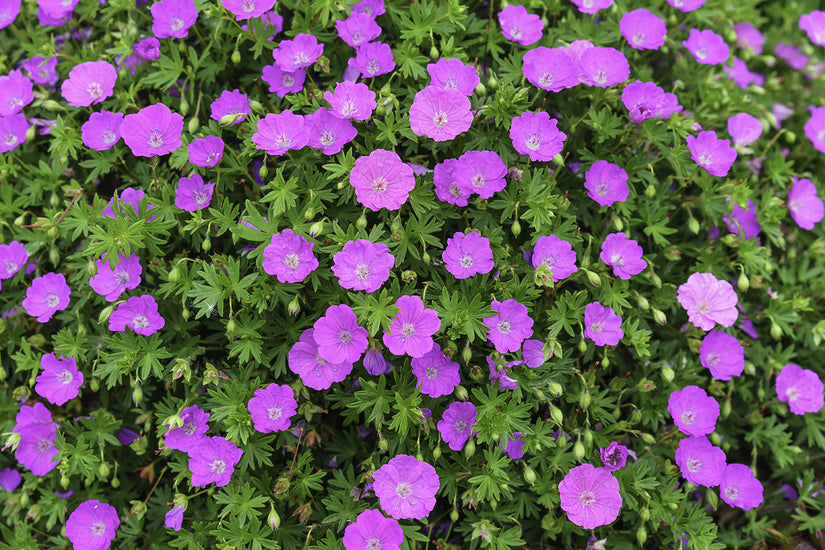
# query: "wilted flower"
357,29
246,9
440,113
363,265
606,183
557,255
328,132
147,49
480,172
15,92
693,410
48,294
707,47
800,388
510,327
814,25
623,255
351,100
592,6
315,372
280,133
191,193
92,525
643,30
744,129
214,459
456,424
282,82
89,83
412,328
12,131
513,446
603,67
172,18
381,180
602,325
230,103
154,130
708,301
374,59
272,408
437,375
537,135
468,255
174,518
289,257
372,531
614,456
206,151
711,153
374,362
406,487
102,131
518,25
590,496
722,355
139,313
804,204
550,69
339,337
743,220
740,488
700,462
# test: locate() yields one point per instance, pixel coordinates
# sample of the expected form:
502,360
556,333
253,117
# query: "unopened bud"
481,90
194,123
94,385
469,449
174,275
409,276
437,452
185,313
115,483
529,475
263,172
273,519
657,281
229,119
316,228
594,278
641,535
91,268
454,515
104,314
650,191
461,393
750,369
184,106
556,415
50,105
103,470
516,228
434,53
582,345
790,137
236,57
618,223
256,106
726,407
693,225
649,439
206,245
64,481
467,354
555,389
644,305
382,445
558,160
30,133
644,514
776,331
668,374
54,254
743,283
659,316
137,395
588,438
578,450
231,326
584,399
294,307
492,83
361,222
712,498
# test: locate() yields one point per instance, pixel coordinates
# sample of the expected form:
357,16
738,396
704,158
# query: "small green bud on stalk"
743,283
555,389
558,160
361,223
193,125
316,228
726,408
578,451
309,213
103,470
529,475
650,191
137,395
750,369
104,314
236,57
469,449
644,305
481,90
582,345
229,119
184,106
94,385
51,106
64,481
644,514
588,438
434,52
231,326
382,445
184,313
256,107
659,316
776,331
584,399
24,499
263,171
649,439
657,282
790,137
115,483
454,515
54,254
605,360
174,275
593,277
273,519
437,452
693,225
668,374
516,228
206,245
425,257
641,535
618,223
294,307
461,393
556,415
30,133
492,83
467,354
91,267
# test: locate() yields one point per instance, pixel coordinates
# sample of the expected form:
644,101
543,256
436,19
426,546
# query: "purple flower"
129,196
328,132
513,446
643,30
154,130
602,325
722,355
603,67
373,531
814,128
10,479
230,103
89,83
206,151
147,49
374,362
532,351
315,372
446,189
246,9
190,435
440,113
373,59
289,257
510,327
192,194
711,153
480,172
708,301
357,29
456,424
282,82
468,255
172,18
36,450
9,10
406,487
614,456
804,204
126,436
13,256
174,518
537,136
592,6
102,131
686,5
791,55
550,69
214,459
351,100
743,220
48,294
740,488
139,313
35,414
12,131
339,338
15,92
412,328
41,70
646,100
707,47
557,255
748,36
373,8
520,26
814,25
623,255
741,76
112,282
60,380
302,51
606,183
451,74
363,265
800,388
693,410
92,525
280,133
590,496
272,408
744,129
500,374
436,374
701,463
381,180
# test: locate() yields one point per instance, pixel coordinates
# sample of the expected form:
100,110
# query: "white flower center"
792,394
108,136
51,299
217,466
380,184
516,32
694,464
327,137
440,119
282,140
121,277
274,412
362,271
546,78
403,489
617,258
344,336
505,326
94,90
140,321
597,327
688,417
373,66
64,377
587,498
533,142
248,6
407,330
639,37
291,260
9,139
98,528
43,446
466,261
155,138
713,359
732,492
177,23
9,265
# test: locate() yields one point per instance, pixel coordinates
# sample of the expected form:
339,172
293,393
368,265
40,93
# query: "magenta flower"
440,113
406,487
374,362
230,103
614,456
510,327
814,128
89,83
282,82
804,204
36,414
708,301
214,459
351,100
191,193
643,30
373,8
711,153
206,152
412,328
456,424
537,135
15,92
646,100
693,410
592,6
686,5
302,51
174,518
289,257
800,388
13,256
501,374
532,351
606,183
328,132
48,294
740,488
92,525
748,36
590,496
102,131
550,69
743,220
372,531
446,189
513,446
41,70
707,47
357,29
280,133
60,380
701,463
315,372
451,74
172,18
557,255
147,49
272,408
363,265
112,282
190,435
791,55
381,180
742,76
468,255
36,451
437,375
339,338
247,9
139,313
10,479
744,129
480,172
373,59
623,255
9,10
602,325
603,67
722,355
520,26
154,130
128,197
814,26
12,131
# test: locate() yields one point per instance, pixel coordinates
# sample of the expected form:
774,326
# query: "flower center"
460,425
9,139
546,78
98,529
440,119
344,336
407,330
516,32
200,196
357,37
299,59
505,326
43,446
155,138
431,372
713,359
177,23
597,327
274,412
121,277
282,140
793,394
9,265
51,299
108,136
617,258
362,271
587,498
702,52
248,6
64,377
373,543
466,261
478,180
94,90
533,142
638,37
705,158
688,417
287,80
403,489
380,184
140,321
450,83
348,108
600,76
549,261
732,492
694,464
703,307
217,466
291,260
327,137
373,66
189,427
454,190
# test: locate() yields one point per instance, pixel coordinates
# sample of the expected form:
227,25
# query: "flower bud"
184,105
256,107
51,106
53,232
650,191
776,331
115,483
492,83
54,254
137,395
593,278
693,225
409,276
578,451
138,508
281,488
644,305
425,257
294,307
529,475
649,439
184,313
206,245
668,374
437,452
641,535
516,228
712,498
30,133
584,399
273,519
790,137
263,171
231,326
750,369
644,514
94,385
659,316
174,275
467,354
715,438
725,408
481,90
618,223
555,389
382,445
103,470
556,415
24,500
605,360
229,119
657,282
91,268
469,449
193,125
12,441
454,515
582,345
236,57
316,228
434,52
461,393
558,160
743,283
588,438
104,314
64,481
361,223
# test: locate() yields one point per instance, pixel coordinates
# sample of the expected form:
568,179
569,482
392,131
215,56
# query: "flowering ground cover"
411,274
